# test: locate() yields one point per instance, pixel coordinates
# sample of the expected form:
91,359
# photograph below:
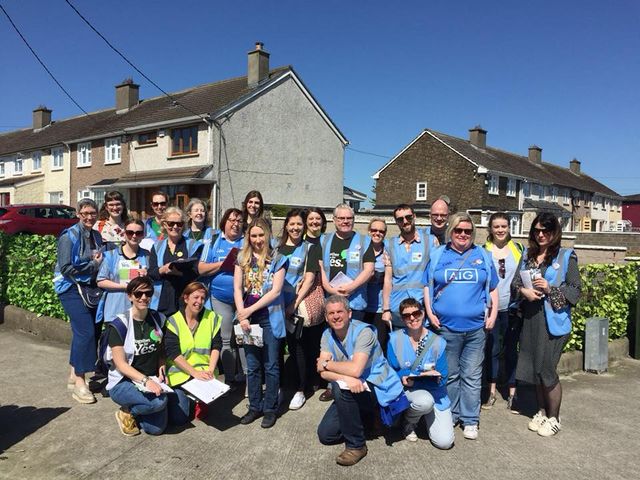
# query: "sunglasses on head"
158,204
501,267
466,231
175,224
406,218
414,314
131,233
139,293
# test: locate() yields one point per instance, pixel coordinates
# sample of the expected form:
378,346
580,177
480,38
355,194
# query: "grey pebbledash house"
481,180
216,141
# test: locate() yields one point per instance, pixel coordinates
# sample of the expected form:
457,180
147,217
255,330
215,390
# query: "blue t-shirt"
461,305
221,285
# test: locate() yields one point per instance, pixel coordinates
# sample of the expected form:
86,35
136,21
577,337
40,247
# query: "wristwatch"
144,380
325,364
386,310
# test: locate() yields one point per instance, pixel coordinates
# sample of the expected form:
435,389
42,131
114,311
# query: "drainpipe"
215,214
71,203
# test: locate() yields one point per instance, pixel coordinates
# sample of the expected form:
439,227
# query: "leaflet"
253,337
339,280
343,385
206,390
525,275
165,388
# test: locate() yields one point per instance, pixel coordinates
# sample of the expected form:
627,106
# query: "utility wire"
349,147
176,102
42,63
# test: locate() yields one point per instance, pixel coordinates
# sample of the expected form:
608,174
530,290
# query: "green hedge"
27,263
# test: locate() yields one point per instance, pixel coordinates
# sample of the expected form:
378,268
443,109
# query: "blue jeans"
150,411
259,359
85,330
465,353
179,407
503,338
343,419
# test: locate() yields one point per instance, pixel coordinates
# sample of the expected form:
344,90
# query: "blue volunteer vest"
408,268
295,270
209,233
355,253
385,380
148,230
161,248
62,283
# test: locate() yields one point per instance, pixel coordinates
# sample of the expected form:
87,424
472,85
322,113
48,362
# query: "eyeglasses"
406,218
439,215
114,204
544,231
235,220
158,204
175,224
139,293
501,267
414,314
344,219
375,230
131,233
89,214
466,231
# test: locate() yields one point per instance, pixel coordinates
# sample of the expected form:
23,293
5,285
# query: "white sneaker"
549,428
470,432
297,401
537,421
412,437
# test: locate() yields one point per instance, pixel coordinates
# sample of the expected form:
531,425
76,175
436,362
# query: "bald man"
439,214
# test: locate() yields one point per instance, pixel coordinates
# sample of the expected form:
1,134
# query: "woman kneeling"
418,355
135,353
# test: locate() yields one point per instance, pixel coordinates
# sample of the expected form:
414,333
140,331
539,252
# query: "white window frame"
84,194
16,170
493,182
526,190
36,157
84,154
514,224
57,158
554,194
535,191
59,195
420,195
112,150
2,169
511,187
567,196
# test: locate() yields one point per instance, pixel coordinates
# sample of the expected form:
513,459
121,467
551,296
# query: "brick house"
217,141
631,210
481,180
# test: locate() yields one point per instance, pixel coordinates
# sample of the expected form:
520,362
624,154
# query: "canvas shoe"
549,428
490,402
297,401
83,395
512,405
411,436
127,423
470,432
536,422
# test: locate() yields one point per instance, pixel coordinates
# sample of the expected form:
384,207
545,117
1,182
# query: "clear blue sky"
564,75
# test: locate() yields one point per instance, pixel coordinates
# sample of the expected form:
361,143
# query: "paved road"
45,434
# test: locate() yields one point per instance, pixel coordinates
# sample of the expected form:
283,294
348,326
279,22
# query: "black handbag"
90,295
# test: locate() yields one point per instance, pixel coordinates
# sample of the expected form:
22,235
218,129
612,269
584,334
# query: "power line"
42,63
349,147
176,102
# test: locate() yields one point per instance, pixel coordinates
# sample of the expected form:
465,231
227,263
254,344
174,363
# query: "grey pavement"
46,434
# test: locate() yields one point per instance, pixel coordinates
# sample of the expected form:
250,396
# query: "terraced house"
481,180
217,141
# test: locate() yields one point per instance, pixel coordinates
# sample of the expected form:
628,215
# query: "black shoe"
326,396
269,420
250,416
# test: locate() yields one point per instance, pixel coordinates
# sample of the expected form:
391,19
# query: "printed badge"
295,261
477,261
556,266
354,256
416,257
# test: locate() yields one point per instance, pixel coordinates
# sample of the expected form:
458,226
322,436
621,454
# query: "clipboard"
184,264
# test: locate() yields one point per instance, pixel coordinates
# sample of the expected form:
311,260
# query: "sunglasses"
139,293
137,233
175,224
501,267
158,204
375,230
466,231
544,231
409,315
406,218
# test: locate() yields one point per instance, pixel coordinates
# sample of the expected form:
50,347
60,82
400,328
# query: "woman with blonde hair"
257,284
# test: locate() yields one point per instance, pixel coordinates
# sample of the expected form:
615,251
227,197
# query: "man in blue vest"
408,256
351,359
348,255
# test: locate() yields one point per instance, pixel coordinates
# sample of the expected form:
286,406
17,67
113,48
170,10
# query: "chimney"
478,136
126,95
258,65
41,117
574,166
535,154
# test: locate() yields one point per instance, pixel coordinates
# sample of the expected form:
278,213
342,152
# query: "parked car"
38,218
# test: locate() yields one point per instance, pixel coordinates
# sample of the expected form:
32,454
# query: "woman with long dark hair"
546,311
113,214
252,207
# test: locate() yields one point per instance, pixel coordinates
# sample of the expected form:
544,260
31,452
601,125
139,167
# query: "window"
2,169
17,166
184,140
514,224
36,158
493,184
526,190
56,197
112,150
566,199
511,187
554,194
84,155
535,191
421,190
57,153
147,138
84,194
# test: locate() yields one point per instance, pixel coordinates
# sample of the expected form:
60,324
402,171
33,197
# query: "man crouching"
352,361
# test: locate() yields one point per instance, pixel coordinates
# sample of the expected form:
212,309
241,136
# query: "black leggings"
382,328
305,352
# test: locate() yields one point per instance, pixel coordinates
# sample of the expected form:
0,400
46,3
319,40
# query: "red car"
39,218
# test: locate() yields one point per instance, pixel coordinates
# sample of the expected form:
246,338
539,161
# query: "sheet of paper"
339,280
343,385
146,243
165,388
206,390
525,275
